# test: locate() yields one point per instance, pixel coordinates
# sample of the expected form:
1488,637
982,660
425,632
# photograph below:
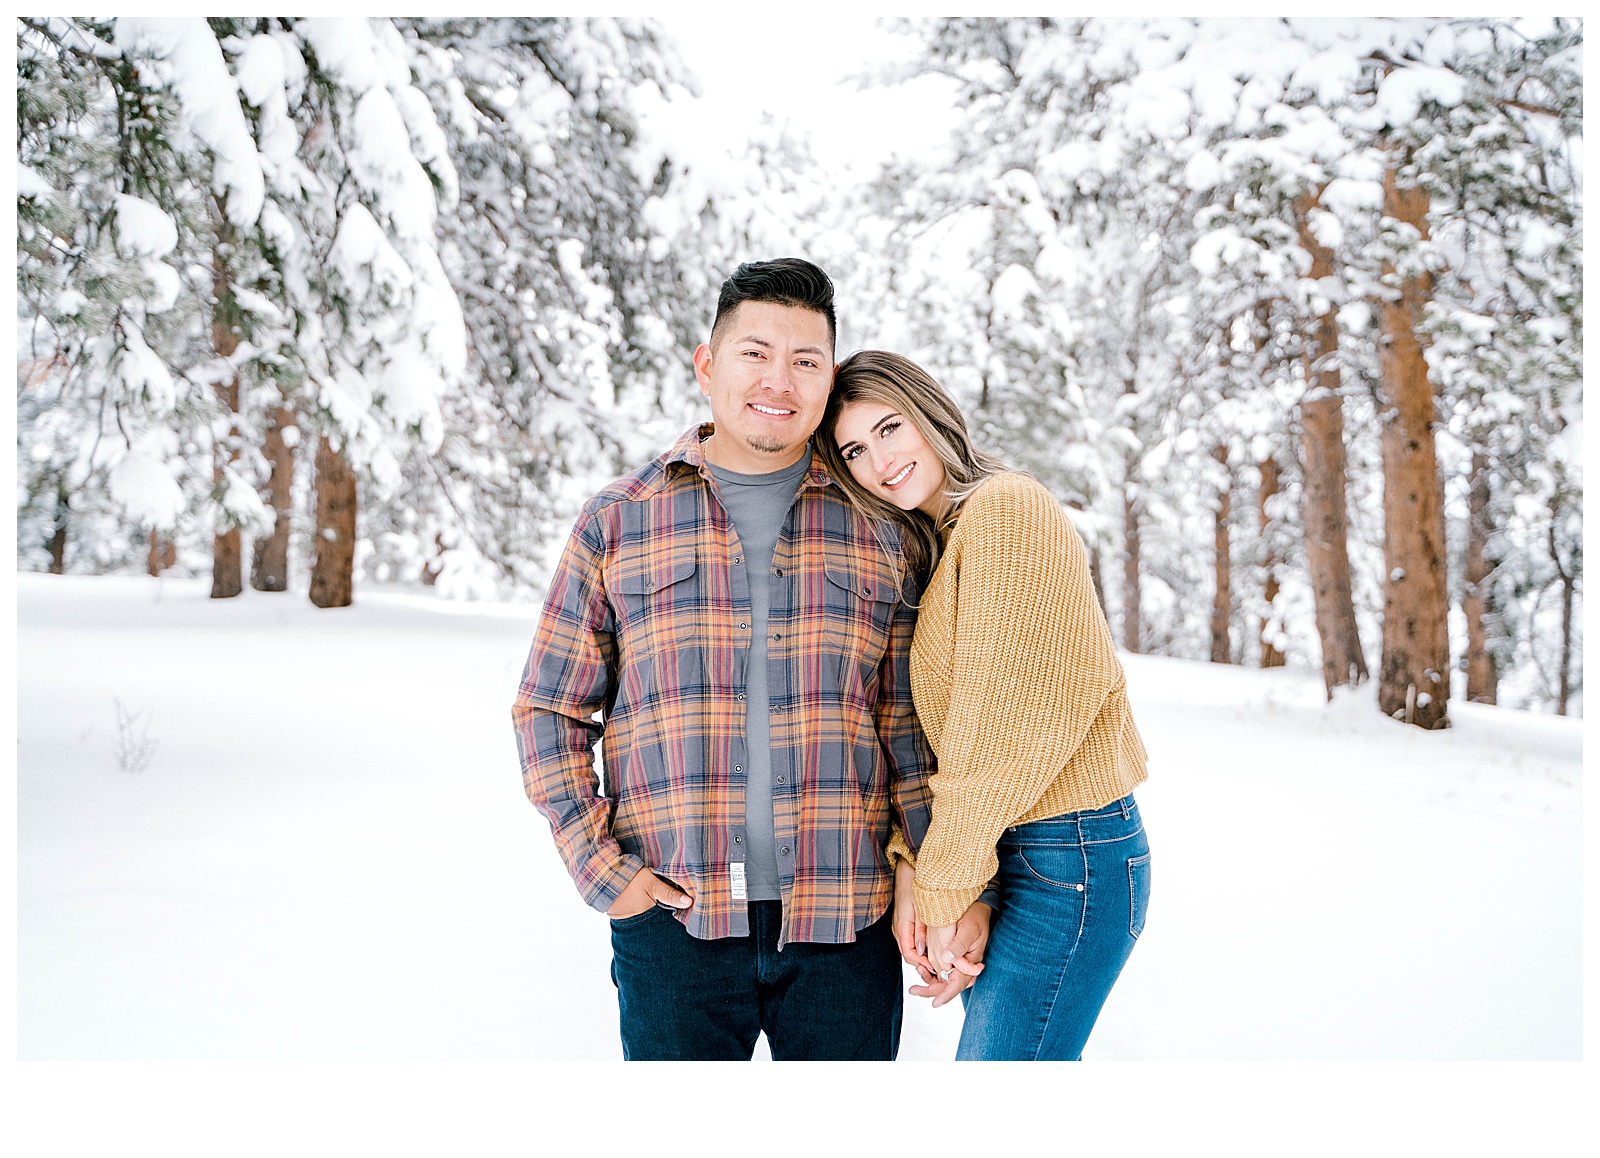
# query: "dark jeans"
686,999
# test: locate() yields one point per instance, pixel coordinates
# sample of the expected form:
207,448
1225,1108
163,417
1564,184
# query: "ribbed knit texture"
1017,686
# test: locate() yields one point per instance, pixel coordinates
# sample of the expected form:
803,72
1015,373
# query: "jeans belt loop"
1127,807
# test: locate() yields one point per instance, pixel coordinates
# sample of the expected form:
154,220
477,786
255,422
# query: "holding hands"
947,957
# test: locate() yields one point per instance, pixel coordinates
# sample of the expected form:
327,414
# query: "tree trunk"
1222,600
1569,582
269,569
1132,625
163,552
227,556
1130,569
1323,509
334,553
56,544
434,567
1482,679
1413,680
1271,656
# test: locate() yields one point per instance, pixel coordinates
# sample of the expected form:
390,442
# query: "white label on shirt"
736,872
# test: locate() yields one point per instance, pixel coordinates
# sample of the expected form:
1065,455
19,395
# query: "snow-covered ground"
329,855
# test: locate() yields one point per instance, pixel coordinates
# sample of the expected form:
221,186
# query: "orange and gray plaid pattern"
642,645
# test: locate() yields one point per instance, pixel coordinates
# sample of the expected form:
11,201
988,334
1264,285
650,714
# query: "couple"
856,702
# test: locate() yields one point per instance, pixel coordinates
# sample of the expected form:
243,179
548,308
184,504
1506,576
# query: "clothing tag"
736,872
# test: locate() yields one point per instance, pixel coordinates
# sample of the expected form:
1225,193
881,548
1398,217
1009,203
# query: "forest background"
1286,312
467,260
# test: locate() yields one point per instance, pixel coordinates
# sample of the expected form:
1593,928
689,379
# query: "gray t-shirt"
758,505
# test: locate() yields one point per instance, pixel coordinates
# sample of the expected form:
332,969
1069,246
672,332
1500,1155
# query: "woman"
1020,693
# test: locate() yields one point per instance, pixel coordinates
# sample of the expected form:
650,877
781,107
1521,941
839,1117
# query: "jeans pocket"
1138,893
638,918
1060,865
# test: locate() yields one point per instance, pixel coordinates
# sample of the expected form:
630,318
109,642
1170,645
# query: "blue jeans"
1073,895
686,999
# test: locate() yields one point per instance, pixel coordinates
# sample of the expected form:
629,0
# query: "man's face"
768,379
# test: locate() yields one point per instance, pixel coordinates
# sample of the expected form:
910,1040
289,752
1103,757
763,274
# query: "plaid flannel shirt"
643,645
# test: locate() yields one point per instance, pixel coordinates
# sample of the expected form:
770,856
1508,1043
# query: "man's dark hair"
788,281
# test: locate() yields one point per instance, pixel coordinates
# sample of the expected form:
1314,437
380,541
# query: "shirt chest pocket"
658,597
859,604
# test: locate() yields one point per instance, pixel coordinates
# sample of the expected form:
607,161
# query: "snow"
349,51
1219,248
381,159
851,128
165,285
1349,196
241,504
363,256
411,390
143,373
196,71
330,855
1202,171
143,228
147,491
1403,91
260,70
30,184
285,882
1328,74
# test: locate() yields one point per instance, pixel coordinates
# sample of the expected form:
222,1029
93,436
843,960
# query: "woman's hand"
909,931
956,953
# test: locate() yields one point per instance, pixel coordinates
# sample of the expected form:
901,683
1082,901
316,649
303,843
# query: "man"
742,636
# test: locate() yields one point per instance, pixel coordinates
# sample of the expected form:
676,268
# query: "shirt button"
738,840
737,560
778,571
780,779
784,850
738,767
744,627
740,696
775,635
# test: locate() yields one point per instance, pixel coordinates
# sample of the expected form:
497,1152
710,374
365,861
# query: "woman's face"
889,457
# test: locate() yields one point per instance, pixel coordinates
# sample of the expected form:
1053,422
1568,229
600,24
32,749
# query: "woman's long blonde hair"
899,383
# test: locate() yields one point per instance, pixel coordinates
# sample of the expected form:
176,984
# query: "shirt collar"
687,451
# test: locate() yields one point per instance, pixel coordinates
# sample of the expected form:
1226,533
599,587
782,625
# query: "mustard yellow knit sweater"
1018,688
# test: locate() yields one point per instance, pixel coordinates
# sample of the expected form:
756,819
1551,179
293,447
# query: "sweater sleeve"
1032,666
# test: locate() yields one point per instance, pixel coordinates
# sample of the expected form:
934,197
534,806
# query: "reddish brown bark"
1323,469
334,544
1482,679
1132,620
163,553
227,557
1130,570
1569,587
1413,677
1222,565
434,567
1270,655
56,544
269,568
